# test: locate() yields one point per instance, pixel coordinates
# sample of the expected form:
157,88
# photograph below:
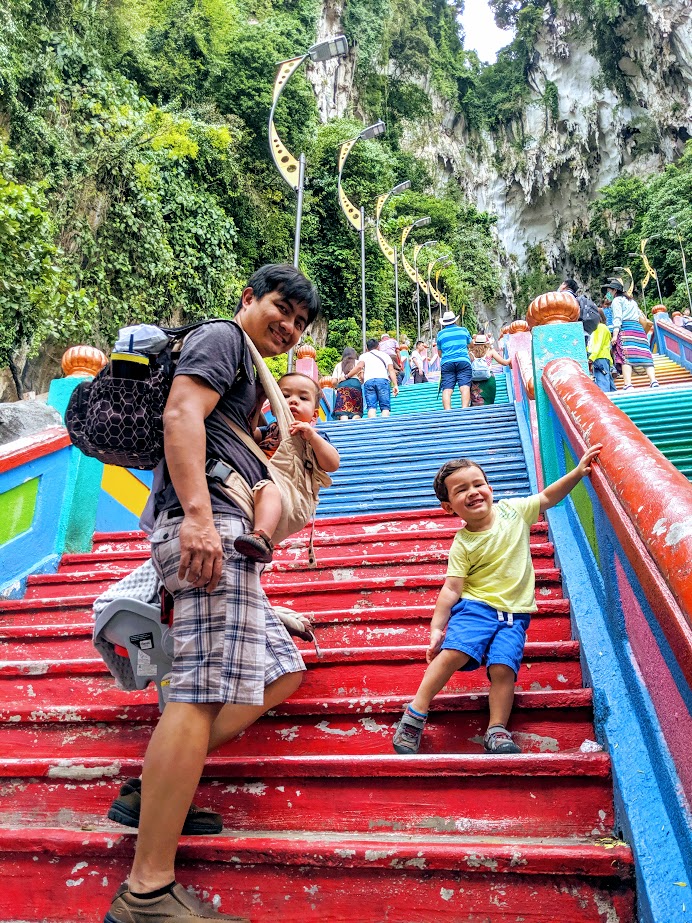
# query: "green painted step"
665,417
423,398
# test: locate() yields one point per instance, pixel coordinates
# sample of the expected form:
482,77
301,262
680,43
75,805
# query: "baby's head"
302,394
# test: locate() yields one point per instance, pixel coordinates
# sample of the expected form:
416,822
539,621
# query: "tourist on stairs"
418,359
598,349
348,396
629,332
483,384
455,365
233,658
484,608
379,379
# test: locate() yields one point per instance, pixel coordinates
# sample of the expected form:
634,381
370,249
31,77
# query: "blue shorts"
378,391
455,373
486,635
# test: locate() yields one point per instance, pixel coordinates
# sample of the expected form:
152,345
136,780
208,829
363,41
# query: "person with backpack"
588,312
483,384
379,379
233,658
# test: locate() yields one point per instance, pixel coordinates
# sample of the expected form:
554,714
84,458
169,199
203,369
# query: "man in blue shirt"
455,365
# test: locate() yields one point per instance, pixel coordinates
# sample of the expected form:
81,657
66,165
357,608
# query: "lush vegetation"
136,182
629,211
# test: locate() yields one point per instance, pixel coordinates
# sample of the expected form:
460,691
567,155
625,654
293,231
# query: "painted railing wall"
673,341
33,492
624,543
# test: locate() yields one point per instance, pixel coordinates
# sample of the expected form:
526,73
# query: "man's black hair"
284,278
572,286
372,344
439,485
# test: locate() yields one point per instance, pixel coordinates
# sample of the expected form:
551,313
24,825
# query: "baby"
303,396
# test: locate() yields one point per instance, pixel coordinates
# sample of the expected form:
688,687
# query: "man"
588,312
233,659
455,365
379,379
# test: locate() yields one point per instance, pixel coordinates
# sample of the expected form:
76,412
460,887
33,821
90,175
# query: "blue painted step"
389,463
421,398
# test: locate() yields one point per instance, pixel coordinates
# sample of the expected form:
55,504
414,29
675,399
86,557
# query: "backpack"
480,370
120,420
588,313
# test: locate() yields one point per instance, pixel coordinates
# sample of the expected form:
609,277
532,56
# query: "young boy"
598,348
484,608
303,397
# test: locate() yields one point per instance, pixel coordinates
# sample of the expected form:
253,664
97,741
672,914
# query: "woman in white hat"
483,384
455,365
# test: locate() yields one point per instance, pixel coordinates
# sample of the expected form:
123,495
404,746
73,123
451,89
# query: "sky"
481,31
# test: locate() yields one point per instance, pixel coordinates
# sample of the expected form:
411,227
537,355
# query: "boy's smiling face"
470,496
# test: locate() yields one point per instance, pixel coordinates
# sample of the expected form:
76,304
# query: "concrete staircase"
668,373
422,398
389,463
323,821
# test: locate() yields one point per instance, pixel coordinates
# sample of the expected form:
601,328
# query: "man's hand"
436,638
201,553
300,428
584,466
395,390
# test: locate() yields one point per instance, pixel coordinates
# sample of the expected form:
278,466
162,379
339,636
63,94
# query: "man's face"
273,323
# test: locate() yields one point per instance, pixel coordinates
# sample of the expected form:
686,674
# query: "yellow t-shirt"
496,564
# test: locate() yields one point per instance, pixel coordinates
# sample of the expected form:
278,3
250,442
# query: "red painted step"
333,878
320,815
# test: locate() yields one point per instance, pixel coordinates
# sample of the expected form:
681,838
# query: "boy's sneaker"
126,807
175,906
498,740
408,733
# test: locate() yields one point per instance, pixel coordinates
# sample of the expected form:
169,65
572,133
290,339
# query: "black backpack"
119,420
588,313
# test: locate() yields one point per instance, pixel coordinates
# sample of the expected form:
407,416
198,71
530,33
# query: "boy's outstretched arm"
557,491
449,595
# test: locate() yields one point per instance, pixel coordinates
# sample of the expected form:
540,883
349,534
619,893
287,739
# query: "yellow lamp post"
356,216
385,247
673,222
410,270
291,169
443,261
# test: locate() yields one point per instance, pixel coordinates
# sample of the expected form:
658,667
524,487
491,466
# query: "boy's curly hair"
439,484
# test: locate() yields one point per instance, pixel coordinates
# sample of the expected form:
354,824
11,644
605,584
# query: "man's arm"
392,377
557,491
185,442
449,595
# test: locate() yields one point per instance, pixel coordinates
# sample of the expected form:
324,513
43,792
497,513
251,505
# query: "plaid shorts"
229,644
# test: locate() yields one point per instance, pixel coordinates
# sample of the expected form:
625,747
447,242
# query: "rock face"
24,418
540,187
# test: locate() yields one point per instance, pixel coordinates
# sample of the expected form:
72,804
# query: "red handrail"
648,501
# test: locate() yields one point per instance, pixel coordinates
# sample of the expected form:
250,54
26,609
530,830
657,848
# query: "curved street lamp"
292,170
385,247
356,216
443,261
421,284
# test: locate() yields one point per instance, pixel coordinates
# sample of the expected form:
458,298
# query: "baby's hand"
300,428
436,638
590,456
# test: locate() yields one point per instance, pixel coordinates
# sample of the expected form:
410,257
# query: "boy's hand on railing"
436,638
590,456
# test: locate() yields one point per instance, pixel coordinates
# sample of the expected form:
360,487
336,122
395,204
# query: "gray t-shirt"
216,353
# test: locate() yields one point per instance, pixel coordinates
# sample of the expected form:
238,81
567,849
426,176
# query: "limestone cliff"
539,173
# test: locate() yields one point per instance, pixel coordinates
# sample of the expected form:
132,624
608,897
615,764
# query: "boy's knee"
501,673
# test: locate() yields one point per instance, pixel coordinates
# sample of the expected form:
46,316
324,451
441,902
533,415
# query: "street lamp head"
401,187
372,131
421,222
430,243
673,221
335,47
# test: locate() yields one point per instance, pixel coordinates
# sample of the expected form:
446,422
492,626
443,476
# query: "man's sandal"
255,545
